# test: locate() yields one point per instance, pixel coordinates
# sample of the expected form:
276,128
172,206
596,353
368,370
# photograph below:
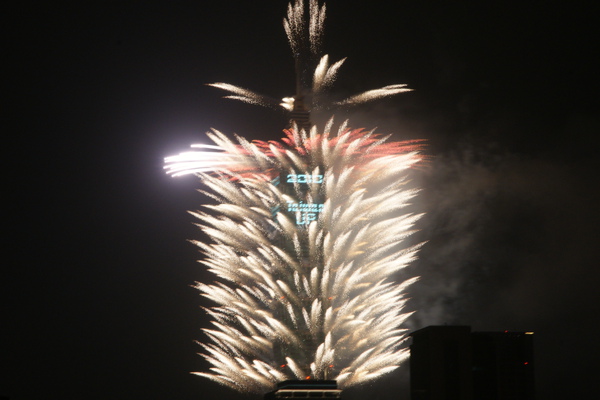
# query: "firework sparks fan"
307,237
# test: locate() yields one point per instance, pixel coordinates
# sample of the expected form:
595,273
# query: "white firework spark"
306,269
306,43
245,95
374,94
296,28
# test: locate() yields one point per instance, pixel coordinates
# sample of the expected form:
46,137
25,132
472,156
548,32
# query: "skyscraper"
453,363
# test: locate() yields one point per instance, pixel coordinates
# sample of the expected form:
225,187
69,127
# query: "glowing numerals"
305,212
304,178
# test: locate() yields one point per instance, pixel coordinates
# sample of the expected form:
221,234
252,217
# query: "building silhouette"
453,363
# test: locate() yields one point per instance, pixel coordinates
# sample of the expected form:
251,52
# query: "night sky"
96,290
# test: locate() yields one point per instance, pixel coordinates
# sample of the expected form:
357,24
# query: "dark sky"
96,296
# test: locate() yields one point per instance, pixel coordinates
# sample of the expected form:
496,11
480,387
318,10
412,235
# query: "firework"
305,40
307,234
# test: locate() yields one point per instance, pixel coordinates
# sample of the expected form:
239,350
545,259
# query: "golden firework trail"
308,234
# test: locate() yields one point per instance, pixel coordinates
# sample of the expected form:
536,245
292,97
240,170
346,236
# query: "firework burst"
314,73
308,234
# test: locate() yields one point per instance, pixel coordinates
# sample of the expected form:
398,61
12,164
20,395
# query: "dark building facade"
453,363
